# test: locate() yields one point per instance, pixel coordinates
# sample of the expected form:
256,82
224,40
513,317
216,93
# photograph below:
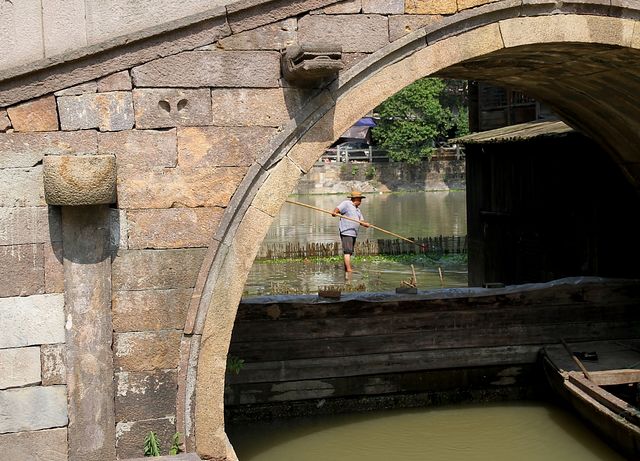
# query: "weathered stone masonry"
208,140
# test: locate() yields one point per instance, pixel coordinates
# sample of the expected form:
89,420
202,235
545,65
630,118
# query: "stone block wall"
33,394
176,174
38,29
184,129
33,421
178,166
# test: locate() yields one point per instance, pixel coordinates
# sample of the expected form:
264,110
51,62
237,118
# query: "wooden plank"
612,355
376,324
613,403
309,307
491,377
371,364
310,350
615,377
576,360
430,340
621,433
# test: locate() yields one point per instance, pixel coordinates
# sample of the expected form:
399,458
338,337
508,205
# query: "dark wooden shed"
545,202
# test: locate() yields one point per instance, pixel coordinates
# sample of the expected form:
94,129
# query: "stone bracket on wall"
76,180
309,65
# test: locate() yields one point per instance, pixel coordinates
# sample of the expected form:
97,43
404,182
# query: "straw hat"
356,194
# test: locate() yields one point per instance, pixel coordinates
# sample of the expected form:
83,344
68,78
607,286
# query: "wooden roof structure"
521,132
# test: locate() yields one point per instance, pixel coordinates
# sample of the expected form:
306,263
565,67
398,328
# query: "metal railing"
338,154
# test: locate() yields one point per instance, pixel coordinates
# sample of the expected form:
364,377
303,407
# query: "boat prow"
595,395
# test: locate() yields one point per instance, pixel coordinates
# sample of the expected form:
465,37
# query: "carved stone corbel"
309,65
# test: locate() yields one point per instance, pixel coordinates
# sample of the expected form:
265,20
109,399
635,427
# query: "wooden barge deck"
602,388
305,355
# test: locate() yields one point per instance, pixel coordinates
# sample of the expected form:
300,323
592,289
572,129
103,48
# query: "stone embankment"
432,175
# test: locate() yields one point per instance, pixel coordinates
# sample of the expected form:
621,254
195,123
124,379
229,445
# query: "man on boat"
348,227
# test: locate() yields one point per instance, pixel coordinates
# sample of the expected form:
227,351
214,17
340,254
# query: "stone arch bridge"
116,308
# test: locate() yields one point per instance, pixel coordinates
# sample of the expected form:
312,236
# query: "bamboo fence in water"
434,245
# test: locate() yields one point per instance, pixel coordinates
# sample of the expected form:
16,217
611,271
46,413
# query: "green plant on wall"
152,445
354,170
370,172
234,364
175,445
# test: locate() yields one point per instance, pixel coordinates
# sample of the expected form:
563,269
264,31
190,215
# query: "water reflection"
411,214
514,431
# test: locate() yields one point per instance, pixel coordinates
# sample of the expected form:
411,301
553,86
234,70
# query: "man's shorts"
348,242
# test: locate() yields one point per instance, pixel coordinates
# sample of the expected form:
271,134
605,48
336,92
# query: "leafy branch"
417,118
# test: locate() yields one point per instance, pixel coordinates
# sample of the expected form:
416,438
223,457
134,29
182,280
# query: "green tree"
415,119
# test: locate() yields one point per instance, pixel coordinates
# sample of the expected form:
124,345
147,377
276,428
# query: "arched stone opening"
595,95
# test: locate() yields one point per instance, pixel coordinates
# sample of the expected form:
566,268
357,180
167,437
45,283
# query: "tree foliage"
414,120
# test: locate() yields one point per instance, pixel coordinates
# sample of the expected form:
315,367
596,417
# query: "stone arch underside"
585,66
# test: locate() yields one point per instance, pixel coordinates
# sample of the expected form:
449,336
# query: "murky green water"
411,214
500,432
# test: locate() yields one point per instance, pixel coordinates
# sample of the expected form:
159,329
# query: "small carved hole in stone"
164,105
182,104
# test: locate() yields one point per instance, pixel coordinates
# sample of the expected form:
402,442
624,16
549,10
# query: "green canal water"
411,214
496,432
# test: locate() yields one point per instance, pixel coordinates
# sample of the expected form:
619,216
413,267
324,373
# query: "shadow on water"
509,431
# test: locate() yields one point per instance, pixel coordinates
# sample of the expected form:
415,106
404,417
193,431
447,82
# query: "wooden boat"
602,388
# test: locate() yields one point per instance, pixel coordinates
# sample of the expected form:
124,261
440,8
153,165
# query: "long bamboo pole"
358,221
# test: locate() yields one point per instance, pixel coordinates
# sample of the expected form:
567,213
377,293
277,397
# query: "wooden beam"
610,401
356,365
615,377
429,339
382,384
